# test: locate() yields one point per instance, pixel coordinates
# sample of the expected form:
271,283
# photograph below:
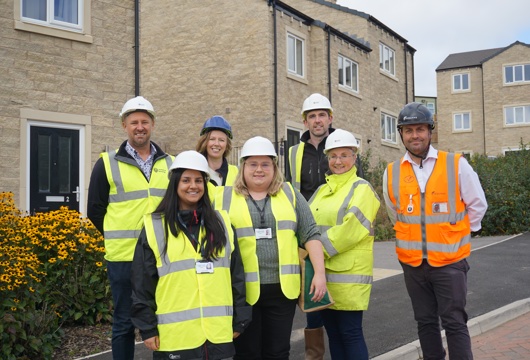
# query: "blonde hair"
274,188
202,143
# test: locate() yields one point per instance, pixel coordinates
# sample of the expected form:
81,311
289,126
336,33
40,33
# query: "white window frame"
80,32
295,67
520,115
50,18
461,76
524,70
387,59
343,63
388,128
461,115
430,103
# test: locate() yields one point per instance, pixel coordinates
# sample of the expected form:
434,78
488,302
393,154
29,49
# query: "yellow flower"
52,260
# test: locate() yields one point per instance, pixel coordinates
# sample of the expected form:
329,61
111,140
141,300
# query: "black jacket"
144,279
315,166
99,188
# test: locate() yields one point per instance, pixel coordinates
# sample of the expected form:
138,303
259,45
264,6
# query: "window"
348,73
388,128
460,82
430,106
517,74
517,115
386,59
295,55
462,121
54,13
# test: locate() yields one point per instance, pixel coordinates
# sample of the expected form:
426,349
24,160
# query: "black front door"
54,169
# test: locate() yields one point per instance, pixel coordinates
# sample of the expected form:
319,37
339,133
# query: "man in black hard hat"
435,200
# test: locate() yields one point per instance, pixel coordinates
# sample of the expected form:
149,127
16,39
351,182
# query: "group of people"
202,255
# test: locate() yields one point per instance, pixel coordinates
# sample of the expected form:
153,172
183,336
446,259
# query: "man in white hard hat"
307,168
126,184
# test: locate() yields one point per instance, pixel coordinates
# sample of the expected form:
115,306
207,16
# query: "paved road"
499,268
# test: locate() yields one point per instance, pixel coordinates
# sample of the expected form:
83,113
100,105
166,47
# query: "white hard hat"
340,138
137,103
258,146
315,102
191,160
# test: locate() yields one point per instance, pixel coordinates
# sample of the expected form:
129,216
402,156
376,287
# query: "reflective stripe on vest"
283,207
343,210
347,236
296,153
130,197
198,307
437,227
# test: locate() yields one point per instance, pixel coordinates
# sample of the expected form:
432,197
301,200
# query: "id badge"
204,267
439,208
263,233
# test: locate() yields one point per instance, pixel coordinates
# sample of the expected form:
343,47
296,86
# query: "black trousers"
439,293
269,334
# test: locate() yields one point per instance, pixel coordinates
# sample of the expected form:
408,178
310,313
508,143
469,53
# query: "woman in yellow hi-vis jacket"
189,298
271,220
345,208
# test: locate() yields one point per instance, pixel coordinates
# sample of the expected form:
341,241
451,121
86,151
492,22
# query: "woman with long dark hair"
187,275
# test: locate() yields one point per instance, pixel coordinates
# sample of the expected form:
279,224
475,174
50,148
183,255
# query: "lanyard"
193,239
261,211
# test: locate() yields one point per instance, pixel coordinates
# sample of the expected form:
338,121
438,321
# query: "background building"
484,100
65,79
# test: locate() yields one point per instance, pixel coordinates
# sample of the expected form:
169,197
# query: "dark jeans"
269,334
345,334
439,293
314,320
119,274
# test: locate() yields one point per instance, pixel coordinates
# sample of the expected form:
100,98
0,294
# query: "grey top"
267,249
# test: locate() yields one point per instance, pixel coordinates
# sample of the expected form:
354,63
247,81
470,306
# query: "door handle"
76,192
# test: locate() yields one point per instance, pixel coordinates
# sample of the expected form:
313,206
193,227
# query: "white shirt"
470,187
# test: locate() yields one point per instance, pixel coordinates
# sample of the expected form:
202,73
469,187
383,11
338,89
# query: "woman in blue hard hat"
188,284
215,143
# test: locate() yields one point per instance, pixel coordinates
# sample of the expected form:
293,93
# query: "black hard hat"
415,113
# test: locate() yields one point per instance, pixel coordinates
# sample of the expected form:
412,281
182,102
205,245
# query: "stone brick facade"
485,101
53,77
197,59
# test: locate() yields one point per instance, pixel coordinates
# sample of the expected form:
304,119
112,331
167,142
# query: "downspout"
137,47
275,65
329,64
406,76
483,110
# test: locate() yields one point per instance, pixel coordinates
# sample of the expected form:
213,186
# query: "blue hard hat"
217,122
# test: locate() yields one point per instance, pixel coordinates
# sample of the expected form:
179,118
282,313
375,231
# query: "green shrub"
506,183
52,274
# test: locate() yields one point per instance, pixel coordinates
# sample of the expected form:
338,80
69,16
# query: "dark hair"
215,238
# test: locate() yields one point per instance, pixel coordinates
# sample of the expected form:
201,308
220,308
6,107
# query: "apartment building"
484,100
66,71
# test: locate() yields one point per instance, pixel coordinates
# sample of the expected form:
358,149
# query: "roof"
473,58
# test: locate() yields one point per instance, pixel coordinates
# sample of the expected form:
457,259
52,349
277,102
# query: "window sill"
297,78
349,92
60,33
388,75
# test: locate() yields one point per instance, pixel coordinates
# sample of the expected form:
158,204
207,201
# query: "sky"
439,28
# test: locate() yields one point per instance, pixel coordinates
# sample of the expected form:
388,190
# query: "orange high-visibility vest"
433,225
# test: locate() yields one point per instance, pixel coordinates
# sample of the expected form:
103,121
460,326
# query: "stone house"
65,74
484,100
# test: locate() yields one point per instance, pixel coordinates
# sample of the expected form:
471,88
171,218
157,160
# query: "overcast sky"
439,28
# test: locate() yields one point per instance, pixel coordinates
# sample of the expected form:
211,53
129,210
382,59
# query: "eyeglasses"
342,158
265,166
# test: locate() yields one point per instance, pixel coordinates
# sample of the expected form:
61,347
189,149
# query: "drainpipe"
406,76
483,110
275,64
329,64
137,47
